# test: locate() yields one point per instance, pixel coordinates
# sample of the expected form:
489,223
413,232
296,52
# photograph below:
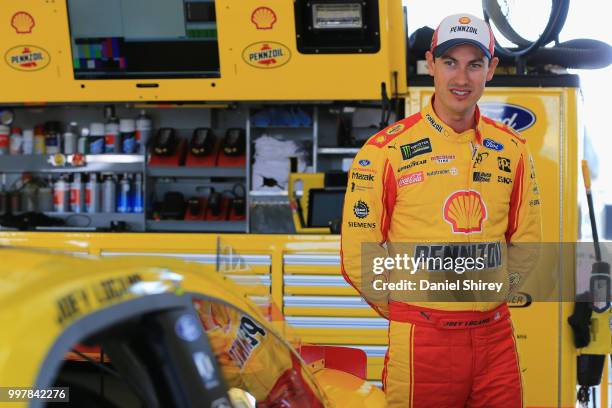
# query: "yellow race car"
156,332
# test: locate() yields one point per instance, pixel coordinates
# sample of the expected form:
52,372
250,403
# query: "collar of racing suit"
435,122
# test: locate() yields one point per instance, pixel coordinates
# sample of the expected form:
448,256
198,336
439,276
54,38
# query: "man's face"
460,76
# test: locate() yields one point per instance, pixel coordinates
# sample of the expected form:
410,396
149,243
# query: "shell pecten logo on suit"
465,211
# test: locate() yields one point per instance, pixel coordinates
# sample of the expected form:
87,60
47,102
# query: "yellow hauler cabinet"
267,53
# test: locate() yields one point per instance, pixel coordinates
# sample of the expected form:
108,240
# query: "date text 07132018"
51,394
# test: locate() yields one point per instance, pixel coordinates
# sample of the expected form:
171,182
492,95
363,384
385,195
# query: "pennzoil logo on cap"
266,55
27,58
465,20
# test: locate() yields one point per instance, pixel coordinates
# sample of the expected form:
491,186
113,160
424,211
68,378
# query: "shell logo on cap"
22,22
465,20
263,18
465,211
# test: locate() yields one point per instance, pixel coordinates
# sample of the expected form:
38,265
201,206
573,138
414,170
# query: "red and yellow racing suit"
414,187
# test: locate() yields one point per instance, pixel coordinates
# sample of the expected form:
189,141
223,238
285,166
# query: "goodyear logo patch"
417,148
395,129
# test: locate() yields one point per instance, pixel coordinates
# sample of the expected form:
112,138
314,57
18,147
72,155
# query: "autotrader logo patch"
361,209
417,148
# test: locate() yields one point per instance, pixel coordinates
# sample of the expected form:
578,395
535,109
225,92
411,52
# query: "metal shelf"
338,150
117,163
196,172
197,226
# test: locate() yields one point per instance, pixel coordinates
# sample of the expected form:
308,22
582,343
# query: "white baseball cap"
462,29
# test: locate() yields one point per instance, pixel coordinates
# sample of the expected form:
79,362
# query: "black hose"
577,54
555,23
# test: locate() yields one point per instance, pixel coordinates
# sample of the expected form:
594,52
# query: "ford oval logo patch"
493,145
514,116
364,163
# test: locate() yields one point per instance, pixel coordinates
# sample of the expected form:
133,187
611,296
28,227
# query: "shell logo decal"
27,58
465,211
266,54
23,22
263,18
465,20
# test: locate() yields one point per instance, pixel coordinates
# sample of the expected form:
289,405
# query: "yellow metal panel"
312,270
376,337
331,311
303,77
320,290
547,355
375,367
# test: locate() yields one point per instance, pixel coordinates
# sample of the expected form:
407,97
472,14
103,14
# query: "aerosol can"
123,200
109,193
144,126
137,195
61,195
77,194
92,194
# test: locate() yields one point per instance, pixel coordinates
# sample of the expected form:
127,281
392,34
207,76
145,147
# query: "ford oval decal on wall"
516,117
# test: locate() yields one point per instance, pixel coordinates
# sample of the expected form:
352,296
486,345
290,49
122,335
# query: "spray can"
83,142
96,138
28,141
39,140
144,126
61,195
52,137
109,192
4,139
127,128
138,195
123,199
76,194
70,139
16,141
92,194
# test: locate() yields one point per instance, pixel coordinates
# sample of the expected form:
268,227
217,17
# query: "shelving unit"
320,141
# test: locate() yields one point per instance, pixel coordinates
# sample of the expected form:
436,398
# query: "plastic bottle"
28,141
109,192
77,195
123,199
39,140
70,139
61,195
144,127
138,195
52,137
83,141
96,138
16,141
4,139
92,194
127,128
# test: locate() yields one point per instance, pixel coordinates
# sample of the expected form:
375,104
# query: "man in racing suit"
444,181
